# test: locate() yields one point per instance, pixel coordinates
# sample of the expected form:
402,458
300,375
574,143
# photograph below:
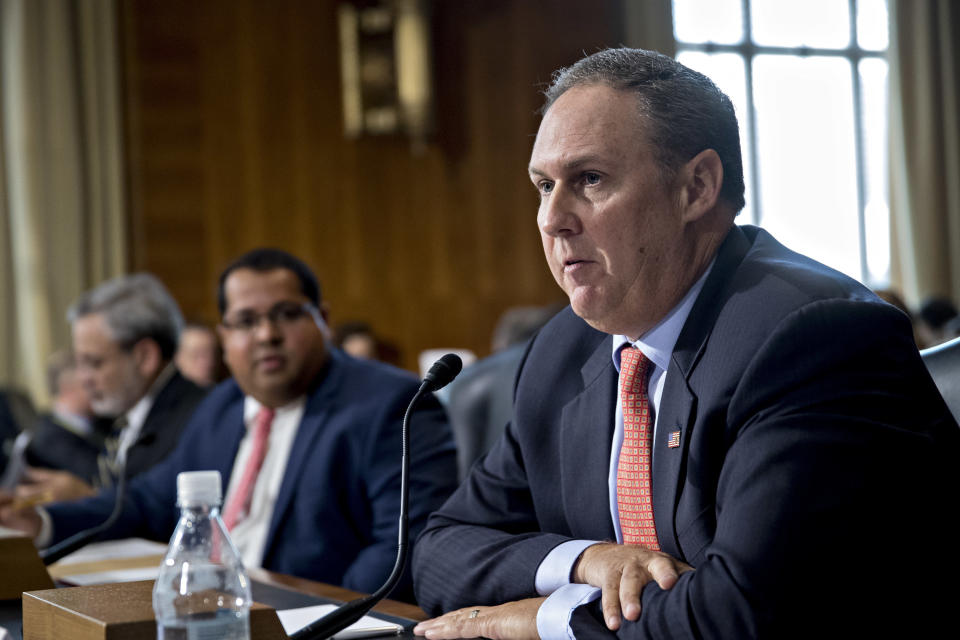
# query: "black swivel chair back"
17,415
480,403
943,363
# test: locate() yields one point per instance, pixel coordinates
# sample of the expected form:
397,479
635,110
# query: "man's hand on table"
50,485
515,620
621,571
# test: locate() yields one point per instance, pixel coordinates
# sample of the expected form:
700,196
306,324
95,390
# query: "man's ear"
147,356
701,180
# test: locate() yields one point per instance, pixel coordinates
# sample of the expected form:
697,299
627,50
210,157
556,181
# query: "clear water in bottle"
202,592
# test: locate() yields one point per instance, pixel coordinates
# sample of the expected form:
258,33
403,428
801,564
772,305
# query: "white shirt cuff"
45,535
554,570
553,617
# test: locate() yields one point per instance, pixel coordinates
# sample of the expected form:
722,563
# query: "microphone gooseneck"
69,545
440,375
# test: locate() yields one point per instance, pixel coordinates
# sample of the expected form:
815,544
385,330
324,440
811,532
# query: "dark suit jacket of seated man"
325,495
803,463
335,517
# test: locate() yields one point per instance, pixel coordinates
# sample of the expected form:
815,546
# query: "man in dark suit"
719,438
125,335
68,437
306,438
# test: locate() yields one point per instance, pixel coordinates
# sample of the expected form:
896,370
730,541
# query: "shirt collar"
657,344
252,406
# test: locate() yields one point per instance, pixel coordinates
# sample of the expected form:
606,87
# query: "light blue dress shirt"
553,574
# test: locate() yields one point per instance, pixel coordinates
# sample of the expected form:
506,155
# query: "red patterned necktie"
239,505
634,501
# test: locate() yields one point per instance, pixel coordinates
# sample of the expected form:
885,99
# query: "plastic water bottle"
202,592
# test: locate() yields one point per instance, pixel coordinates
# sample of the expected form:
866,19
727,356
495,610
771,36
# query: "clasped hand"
620,571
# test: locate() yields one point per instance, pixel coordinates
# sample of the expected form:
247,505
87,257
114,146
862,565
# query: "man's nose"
267,329
558,216
89,384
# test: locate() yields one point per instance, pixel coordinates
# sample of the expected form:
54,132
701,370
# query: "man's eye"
545,187
245,321
291,313
591,177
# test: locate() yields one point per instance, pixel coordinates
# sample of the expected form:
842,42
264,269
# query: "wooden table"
388,607
276,589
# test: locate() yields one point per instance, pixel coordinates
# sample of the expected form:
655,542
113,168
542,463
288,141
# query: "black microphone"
69,545
440,375
443,372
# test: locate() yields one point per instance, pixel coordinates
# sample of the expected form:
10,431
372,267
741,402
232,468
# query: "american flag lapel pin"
673,441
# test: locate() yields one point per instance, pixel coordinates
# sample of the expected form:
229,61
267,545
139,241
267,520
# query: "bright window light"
808,79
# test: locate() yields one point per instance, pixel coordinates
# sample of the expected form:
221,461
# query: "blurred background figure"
68,437
356,338
937,321
125,334
17,415
480,400
518,324
198,356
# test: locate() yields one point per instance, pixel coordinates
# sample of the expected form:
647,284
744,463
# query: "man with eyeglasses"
306,438
125,333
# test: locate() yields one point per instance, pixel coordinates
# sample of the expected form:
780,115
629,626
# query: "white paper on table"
113,549
295,619
117,575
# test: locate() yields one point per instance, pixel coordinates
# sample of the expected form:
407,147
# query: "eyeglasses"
282,315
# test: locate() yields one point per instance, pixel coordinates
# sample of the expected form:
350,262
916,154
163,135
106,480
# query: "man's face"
109,373
197,355
273,359
72,396
611,228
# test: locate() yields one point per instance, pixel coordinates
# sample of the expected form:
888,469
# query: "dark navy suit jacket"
815,464
335,519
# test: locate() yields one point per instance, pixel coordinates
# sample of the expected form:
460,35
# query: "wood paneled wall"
233,126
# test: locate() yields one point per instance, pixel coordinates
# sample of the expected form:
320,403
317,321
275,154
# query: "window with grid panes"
808,79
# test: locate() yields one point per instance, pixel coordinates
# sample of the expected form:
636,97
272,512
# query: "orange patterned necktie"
634,501
239,506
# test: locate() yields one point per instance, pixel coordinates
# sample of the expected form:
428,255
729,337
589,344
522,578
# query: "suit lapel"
315,413
156,418
678,403
586,425
235,430
676,412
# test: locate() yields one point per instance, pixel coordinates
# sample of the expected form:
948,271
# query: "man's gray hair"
683,111
135,307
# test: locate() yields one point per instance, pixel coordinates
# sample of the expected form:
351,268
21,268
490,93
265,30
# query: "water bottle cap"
198,487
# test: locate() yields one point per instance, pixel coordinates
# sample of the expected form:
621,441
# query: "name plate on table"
21,569
121,611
